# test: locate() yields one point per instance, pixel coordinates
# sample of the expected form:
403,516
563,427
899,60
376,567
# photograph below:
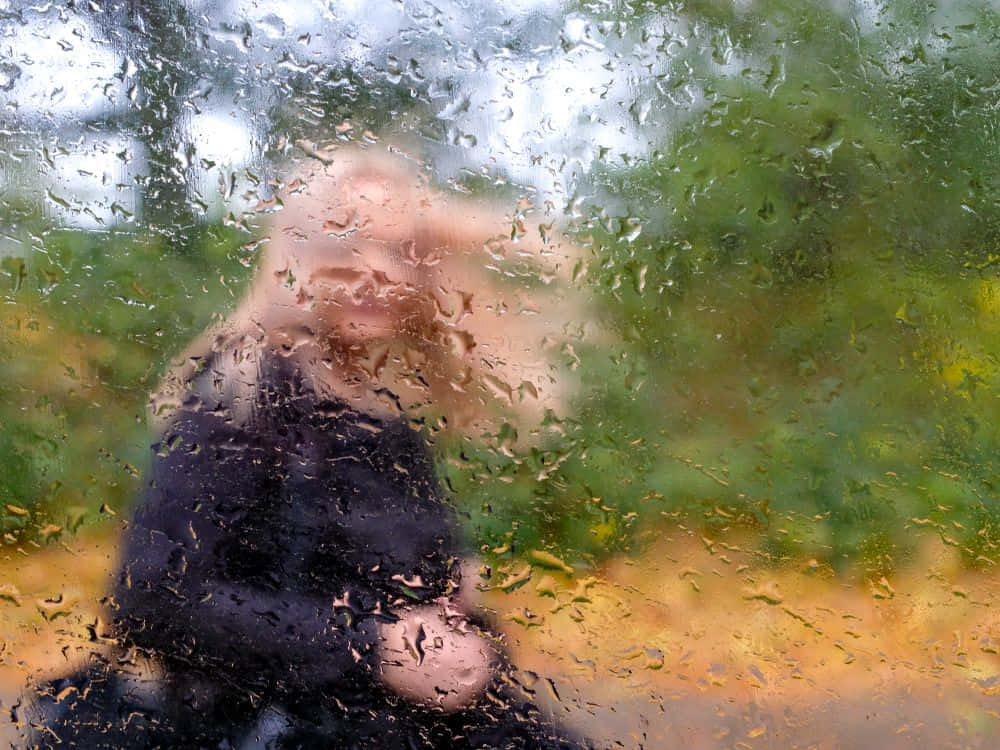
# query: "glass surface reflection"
677,321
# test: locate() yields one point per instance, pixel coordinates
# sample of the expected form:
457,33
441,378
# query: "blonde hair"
468,341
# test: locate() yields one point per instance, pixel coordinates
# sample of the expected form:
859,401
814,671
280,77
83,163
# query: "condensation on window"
524,374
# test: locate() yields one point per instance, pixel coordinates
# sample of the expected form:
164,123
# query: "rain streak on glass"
499,375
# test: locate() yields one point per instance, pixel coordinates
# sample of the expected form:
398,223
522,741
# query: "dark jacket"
268,544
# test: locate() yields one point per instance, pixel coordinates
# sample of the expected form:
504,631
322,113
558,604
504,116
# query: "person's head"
371,274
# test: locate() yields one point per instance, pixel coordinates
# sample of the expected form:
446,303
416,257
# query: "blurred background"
767,514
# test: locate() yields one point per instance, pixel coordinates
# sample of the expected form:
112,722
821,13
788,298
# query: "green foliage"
88,325
804,293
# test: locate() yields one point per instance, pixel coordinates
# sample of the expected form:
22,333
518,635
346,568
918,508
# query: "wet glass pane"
499,375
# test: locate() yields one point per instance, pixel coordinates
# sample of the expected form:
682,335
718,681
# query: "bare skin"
434,657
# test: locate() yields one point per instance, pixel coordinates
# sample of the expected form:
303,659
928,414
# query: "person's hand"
432,655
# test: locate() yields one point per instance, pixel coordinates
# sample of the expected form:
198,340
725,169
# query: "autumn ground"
694,645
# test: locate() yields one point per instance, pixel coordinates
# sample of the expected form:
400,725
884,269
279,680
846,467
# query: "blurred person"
293,572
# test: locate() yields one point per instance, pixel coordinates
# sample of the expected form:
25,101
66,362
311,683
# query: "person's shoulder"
213,382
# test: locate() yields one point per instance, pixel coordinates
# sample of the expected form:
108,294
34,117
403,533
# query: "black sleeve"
181,598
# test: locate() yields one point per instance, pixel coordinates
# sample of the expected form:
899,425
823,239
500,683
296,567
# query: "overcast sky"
527,89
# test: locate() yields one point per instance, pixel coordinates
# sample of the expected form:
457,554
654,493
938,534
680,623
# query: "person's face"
355,290
355,256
